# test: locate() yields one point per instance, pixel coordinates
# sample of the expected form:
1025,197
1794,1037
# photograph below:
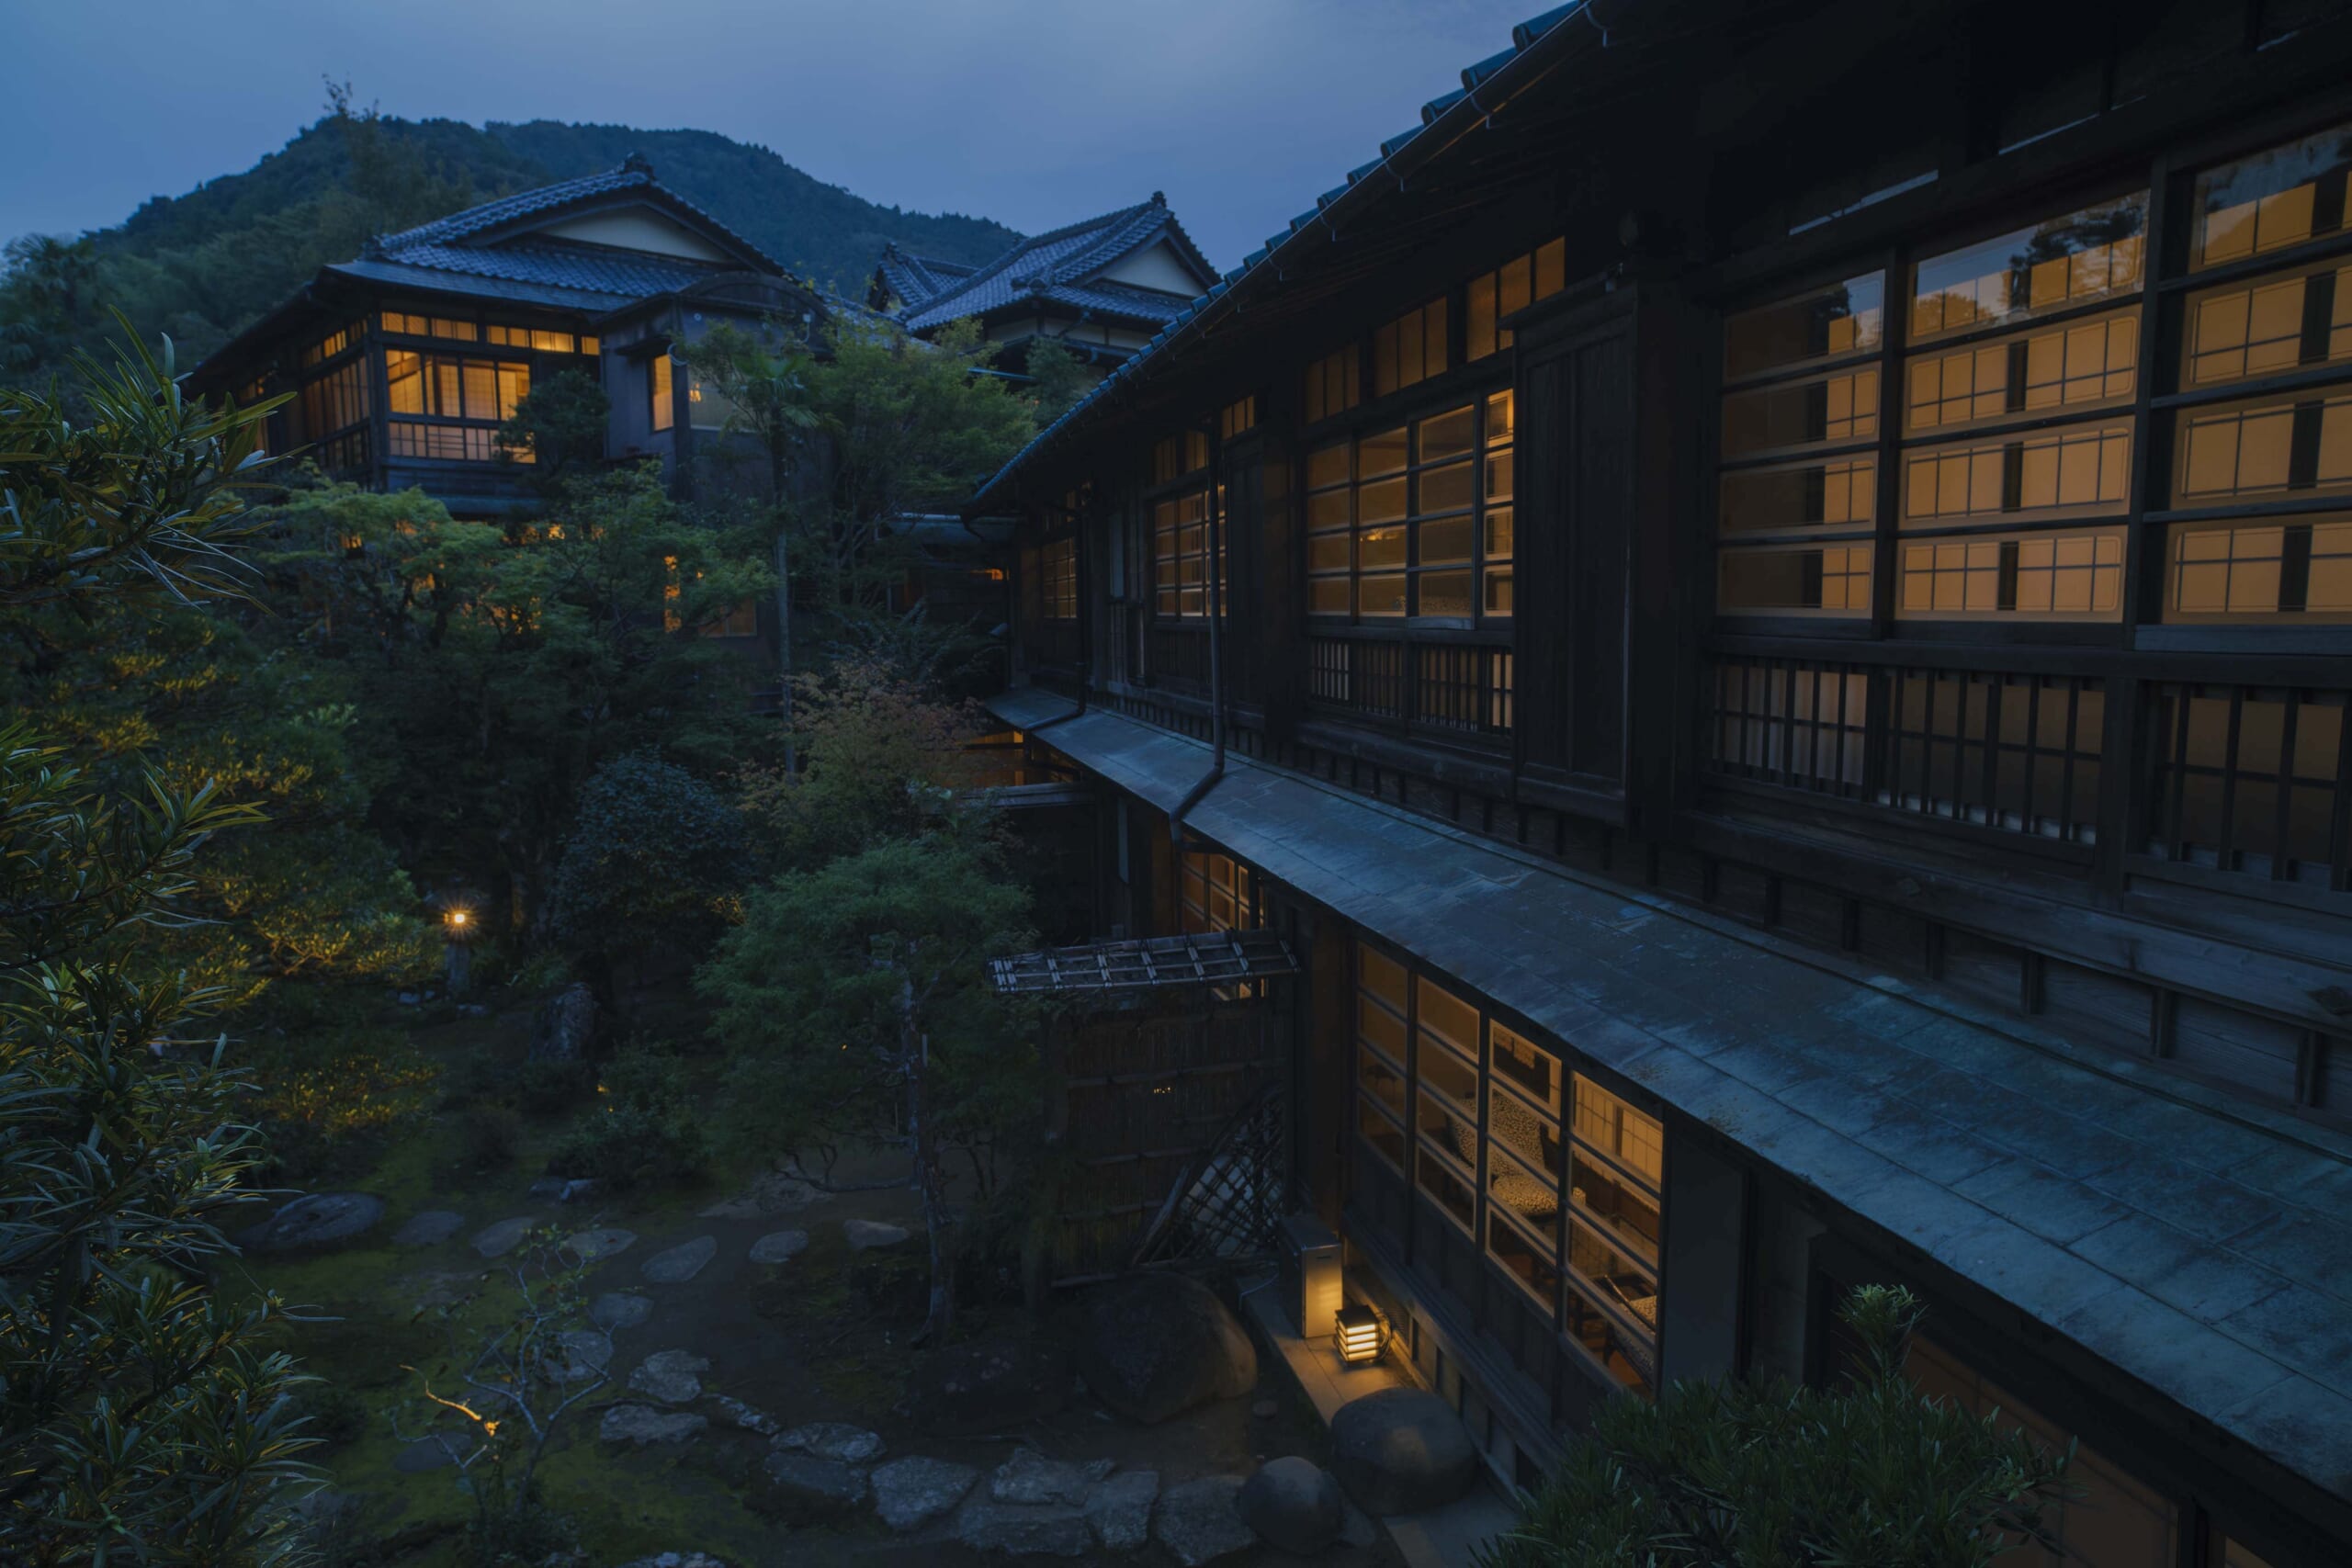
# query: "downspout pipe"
1208,781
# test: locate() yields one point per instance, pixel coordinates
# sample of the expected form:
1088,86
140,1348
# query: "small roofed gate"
1170,1111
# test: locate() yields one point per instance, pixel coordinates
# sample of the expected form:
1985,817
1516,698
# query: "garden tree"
654,866
1057,379
559,429
882,758
1769,1474
912,429
857,1001
516,1384
45,297
141,1417
495,673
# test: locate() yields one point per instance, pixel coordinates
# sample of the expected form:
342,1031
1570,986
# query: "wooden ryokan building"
1766,598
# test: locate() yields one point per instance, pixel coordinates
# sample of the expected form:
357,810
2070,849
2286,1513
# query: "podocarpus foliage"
142,1418
1742,1473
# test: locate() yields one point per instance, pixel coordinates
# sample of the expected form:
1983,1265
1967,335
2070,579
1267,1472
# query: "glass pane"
1381,546
1498,419
1381,975
1499,474
1381,500
1845,318
1381,453
1498,532
2267,327
404,381
1328,509
2074,472
1441,1182
1449,1018
1498,592
1446,488
1445,593
1833,580
2302,567
1610,1276
1527,1262
1841,406
1526,1066
2091,255
2269,447
1328,465
1519,1190
1615,1207
1445,436
1382,1081
1445,541
1838,492
1380,595
1328,596
1535,1141
2273,199
2080,366
1385,1136
1621,1131
2046,576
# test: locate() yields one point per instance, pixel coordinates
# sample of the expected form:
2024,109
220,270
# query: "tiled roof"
441,280
2202,1248
1255,271
914,280
1067,257
635,175
587,269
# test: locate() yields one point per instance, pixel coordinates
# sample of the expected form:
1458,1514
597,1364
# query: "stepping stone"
780,1246
498,1240
833,1440
639,1425
321,1219
750,1418
1198,1522
680,1264
602,1243
805,1490
1024,1529
586,1352
864,1235
669,1376
1294,1503
618,1310
561,1190
1030,1477
1119,1510
430,1228
910,1493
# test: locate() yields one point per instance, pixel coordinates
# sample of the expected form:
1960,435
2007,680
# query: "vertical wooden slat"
2283,815
2225,842
2070,741
2029,818
2177,807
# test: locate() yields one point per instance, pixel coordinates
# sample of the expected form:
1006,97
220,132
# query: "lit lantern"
1359,1335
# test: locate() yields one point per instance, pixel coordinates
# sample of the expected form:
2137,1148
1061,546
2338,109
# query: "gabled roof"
904,281
512,215
1537,44
1065,265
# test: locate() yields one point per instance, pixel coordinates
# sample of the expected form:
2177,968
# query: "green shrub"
542,1088
334,1415
624,1147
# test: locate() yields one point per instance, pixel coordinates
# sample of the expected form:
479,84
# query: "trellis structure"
1222,959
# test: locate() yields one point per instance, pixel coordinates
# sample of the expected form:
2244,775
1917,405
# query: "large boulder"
1294,1503
1198,1523
802,1490
1401,1450
1024,1529
910,1493
323,1219
564,1029
989,1385
1152,1345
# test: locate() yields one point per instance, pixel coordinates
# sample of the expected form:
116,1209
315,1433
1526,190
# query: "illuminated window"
1510,288
739,619
1828,493
2069,576
335,400
1827,324
1526,1162
1179,555
443,388
2271,447
1417,520
2281,198
2095,254
2260,571
664,392
1409,349
588,344
1828,580
2268,326
539,340
1237,417
1173,456
1214,893
1381,988
1059,562
413,325
2068,472
1814,411
334,342
2082,364
1334,384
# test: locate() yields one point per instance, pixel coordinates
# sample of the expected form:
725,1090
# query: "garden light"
1359,1335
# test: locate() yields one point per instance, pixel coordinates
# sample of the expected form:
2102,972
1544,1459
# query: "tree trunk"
914,1052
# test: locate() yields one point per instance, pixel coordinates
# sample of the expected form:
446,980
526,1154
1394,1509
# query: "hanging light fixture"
1359,1335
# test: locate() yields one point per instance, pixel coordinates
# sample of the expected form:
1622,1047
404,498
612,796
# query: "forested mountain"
203,266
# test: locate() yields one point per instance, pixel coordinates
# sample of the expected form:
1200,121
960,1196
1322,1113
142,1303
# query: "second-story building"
1765,596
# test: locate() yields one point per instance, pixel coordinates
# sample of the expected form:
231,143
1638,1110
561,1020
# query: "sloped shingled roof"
2202,1247
1062,266
1257,270
636,174
914,281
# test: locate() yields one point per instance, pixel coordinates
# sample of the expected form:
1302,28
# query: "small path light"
458,926
1359,1335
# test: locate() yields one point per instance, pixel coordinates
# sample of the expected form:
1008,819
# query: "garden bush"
487,1137
334,1414
644,1129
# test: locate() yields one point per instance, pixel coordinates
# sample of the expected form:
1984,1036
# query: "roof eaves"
1525,37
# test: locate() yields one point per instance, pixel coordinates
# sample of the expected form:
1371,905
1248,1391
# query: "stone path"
910,1493
429,1228
681,1263
864,1235
781,1246
833,1440
617,1310
605,1242
669,1376
498,1240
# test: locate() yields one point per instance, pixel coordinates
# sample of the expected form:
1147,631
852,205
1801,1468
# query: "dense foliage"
205,265
141,1417
1772,1475
654,866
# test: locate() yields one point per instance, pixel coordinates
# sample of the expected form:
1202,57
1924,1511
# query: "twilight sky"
1032,112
